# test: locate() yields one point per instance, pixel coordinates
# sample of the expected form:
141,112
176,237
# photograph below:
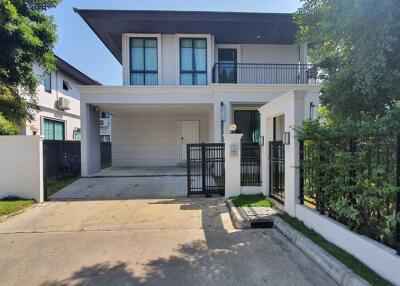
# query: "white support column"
232,164
217,121
292,106
266,132
293,117
90,140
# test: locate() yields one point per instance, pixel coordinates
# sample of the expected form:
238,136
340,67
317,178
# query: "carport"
127,183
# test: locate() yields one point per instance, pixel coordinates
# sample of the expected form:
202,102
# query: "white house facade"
186,77
59,103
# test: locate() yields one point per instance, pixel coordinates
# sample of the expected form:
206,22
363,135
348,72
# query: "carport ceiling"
116,109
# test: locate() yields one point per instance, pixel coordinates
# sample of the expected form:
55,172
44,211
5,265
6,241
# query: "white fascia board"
198,89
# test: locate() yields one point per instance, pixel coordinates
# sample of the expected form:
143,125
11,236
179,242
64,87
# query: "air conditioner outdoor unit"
63,103
103,122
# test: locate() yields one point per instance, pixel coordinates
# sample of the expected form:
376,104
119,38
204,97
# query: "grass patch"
105,165
258,200
54,186
347,259
12,206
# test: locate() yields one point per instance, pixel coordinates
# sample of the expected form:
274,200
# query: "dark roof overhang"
76,74
227,27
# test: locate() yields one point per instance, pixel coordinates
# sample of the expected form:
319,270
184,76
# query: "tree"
356,43
27,35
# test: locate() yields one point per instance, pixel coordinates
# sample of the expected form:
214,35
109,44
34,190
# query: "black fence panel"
105,153
206,169
63,158
250,164
57,154
277,171
361,174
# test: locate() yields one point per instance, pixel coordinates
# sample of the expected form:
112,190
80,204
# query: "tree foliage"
27,35
357,45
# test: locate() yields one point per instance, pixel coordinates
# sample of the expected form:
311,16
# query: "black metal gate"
250,164
277,170
206,169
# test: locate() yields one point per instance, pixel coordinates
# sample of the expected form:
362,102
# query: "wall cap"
232,137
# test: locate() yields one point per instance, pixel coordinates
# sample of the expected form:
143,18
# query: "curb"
242,220
237,219
333,267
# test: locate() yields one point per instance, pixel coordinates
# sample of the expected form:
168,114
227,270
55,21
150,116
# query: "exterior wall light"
34,128
286,138
232,128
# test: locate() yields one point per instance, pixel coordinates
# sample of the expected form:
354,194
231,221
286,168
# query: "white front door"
188,134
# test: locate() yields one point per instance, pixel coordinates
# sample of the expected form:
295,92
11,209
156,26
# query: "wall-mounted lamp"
232,128
286,138
261,140
34,128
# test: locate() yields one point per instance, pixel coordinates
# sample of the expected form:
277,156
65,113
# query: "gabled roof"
74,73
228,27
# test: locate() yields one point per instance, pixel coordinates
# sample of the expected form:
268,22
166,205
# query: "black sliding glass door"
248,123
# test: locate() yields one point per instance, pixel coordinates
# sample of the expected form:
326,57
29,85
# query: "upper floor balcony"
257,73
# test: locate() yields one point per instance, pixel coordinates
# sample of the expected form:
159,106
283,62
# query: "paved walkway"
128,183
146,242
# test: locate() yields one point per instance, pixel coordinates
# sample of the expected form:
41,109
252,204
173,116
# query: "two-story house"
59,102
186,77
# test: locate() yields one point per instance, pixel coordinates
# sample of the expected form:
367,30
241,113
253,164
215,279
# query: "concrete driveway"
146,242
128,183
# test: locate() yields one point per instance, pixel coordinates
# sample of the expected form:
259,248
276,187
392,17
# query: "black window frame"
54,121
48,90
255,123
222,66
65,85
193,72
144,72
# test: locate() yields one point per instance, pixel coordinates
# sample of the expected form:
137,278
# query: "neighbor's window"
54,130
193,61
66,85
313,111
104,115
105,138
47,82
143,61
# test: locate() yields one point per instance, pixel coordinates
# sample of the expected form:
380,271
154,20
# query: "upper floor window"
313,111
143,61
193,61
47,82
66,85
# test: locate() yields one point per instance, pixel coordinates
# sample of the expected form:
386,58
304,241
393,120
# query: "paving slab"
146,242
124,188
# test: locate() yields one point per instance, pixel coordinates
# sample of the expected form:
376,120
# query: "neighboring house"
59,102
105,127
186,77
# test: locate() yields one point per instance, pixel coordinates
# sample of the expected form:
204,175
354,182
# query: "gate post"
232,164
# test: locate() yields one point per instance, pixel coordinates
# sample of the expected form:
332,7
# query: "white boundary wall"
295,107
382,259
21,167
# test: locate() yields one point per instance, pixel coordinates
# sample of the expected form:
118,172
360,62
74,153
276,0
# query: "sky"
78,45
